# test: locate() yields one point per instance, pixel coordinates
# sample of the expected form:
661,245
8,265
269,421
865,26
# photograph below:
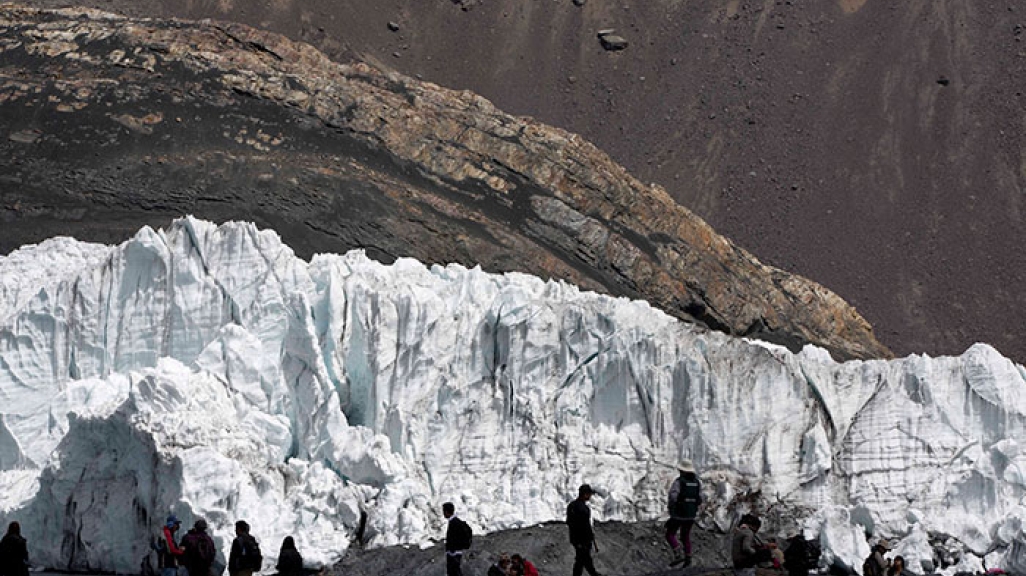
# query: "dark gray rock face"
139,121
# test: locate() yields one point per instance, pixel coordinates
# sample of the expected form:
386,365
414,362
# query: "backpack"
465,533
206,551
199,547
251,557
159,545
686,505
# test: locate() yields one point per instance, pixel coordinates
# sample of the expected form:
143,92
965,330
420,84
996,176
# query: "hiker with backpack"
14,552
169,553
876,564
200,551
290,563
245,557
458,537
683,501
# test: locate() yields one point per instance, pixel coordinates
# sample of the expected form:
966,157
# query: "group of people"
195,553
684,498
877,564
515,565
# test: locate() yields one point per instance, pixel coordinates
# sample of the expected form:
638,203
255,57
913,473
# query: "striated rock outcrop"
113,122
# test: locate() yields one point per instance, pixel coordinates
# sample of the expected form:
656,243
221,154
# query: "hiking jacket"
796,557
880,561
743,551
457,535
193,561
171,553
13,556
684,498
578,519
290,563
529,569
242,546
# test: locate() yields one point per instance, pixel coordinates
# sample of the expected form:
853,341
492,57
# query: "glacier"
205,370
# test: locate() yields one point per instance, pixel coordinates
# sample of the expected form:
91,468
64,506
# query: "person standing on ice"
684,499
582,537
290,562
458,536
168,551
199,550
14,552
245,557
877,564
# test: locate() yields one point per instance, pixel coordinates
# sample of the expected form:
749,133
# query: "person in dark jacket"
684,498
877,564
582,537
746,550
199,550
14,560
245,557
290,563
457,540
501,567
797,557
897,567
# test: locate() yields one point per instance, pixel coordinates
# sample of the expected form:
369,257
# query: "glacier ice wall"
206,370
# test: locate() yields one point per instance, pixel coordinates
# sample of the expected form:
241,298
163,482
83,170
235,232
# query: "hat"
200,525
173,521
585,489
884,544
686,466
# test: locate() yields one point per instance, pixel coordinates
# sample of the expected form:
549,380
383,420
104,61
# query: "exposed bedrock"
111,123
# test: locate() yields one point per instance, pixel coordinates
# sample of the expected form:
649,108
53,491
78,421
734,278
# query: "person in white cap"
684,499
877,564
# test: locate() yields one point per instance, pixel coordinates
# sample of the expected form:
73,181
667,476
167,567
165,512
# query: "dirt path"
625,549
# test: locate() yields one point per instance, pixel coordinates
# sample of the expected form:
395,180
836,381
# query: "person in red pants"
684,498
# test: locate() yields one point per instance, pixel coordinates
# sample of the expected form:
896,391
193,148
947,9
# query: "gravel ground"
625,549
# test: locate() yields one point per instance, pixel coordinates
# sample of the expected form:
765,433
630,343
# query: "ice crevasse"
207,371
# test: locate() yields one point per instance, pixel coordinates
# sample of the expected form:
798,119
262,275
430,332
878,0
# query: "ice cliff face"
207,371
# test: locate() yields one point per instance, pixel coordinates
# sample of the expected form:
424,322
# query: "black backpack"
251,557
465,533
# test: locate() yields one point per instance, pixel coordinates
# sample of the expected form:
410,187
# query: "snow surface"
207,371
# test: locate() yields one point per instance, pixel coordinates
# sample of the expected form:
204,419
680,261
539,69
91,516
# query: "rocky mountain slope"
111,123
873,146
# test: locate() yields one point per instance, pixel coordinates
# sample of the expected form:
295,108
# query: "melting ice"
207,371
